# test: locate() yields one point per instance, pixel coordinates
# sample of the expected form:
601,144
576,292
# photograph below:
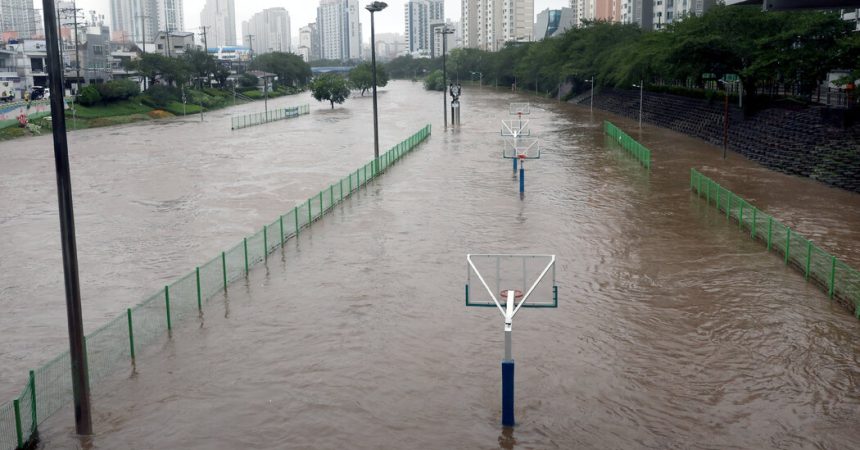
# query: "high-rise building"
219,18
339,29
489,24
553,22
420,16
668,11
17,19
267,31
309,42
139,19
640,12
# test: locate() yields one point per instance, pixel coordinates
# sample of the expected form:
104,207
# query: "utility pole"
77,347
143,37
74,11
206,50
443,32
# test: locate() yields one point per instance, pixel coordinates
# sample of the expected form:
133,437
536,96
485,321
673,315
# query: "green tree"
434,81
248,80
200,64
330,87
361,77
291,69
157,67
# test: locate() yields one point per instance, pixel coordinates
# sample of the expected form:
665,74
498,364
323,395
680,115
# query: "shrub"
255,94
158,96
89,95
117,90
248,80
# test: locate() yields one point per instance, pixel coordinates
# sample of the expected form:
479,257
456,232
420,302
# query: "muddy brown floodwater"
674,330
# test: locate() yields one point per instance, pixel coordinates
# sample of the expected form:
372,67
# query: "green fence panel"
634,148
304,213
183,296
256,250
106,348
8,436
837,278
211,281
235,262
267,117
149,320
53,386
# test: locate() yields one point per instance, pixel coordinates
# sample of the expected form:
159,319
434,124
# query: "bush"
89,95
434,81
248,80
117,90
254,94
159,96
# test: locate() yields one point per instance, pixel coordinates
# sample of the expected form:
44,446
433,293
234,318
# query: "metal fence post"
245,247
296,216
130,333
265,242
33,422
224,269
833,276
769,231
281,224
199,295
787,243
16,405
167,306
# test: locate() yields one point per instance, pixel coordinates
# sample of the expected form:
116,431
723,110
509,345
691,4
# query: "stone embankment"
797,141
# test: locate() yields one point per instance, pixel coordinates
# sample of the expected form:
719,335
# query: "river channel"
674,330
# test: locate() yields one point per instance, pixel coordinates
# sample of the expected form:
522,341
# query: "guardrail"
250,120
639,151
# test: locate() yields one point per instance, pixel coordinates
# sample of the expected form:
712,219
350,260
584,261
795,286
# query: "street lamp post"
373,8
445,30
641,86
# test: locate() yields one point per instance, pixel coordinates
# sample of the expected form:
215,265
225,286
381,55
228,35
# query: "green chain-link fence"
249,120
639,151
838,279
113,346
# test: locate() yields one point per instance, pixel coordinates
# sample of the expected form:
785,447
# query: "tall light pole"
591,105
443,31
77,352
373,8
641,85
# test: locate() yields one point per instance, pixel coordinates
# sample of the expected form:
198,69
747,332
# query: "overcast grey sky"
303,12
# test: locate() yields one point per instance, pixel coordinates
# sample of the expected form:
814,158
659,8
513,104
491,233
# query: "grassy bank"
136,109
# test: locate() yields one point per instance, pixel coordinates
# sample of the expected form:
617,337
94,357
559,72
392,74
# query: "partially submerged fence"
250,120
639,151
113,346
838,279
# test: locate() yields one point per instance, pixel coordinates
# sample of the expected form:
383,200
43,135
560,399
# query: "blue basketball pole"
508,392
515,165
522,178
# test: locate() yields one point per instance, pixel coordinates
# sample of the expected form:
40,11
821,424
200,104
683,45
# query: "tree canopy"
330,87
790,48
290,68
361,77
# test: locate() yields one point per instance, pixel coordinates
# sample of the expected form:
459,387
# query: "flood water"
674,330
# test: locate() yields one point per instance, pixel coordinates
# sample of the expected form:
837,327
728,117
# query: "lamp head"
376,6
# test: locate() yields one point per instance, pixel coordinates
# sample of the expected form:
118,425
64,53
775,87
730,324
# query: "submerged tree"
361,77
330,87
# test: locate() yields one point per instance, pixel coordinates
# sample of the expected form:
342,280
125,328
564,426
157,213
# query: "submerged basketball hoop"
521,150
507,273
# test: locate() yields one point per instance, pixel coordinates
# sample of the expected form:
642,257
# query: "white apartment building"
267,31
488,24
420,16
339,29
18,19
309,43
139,19
668,11
219,18
639,12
